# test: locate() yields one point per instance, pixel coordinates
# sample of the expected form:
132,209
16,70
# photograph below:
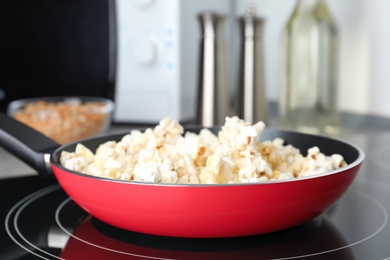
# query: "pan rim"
358,161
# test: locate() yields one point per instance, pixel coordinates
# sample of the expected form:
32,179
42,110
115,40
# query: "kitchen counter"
355,228
354,128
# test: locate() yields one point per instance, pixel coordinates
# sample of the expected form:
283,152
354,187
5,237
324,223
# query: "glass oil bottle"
309,70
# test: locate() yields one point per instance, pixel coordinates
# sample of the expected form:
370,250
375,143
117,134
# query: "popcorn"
218,170
166,155
316,162
239,135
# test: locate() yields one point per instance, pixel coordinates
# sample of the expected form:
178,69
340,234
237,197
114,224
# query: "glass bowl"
64,119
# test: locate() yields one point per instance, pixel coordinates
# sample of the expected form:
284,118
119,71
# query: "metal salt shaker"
213,95
252,104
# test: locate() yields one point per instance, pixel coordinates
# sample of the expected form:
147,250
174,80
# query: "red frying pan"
189,210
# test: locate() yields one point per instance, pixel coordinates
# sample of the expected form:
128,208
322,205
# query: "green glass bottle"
309,70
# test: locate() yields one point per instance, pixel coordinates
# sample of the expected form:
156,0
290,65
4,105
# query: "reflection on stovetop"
300,241
41,222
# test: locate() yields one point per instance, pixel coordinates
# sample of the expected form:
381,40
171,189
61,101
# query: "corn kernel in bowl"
64,120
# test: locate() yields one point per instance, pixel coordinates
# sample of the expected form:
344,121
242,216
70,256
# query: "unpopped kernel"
64,122
166,154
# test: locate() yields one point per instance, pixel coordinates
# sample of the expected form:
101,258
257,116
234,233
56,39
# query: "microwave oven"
56,48
158,44
142,54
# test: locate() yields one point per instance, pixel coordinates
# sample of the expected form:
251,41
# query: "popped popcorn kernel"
166,155
217,170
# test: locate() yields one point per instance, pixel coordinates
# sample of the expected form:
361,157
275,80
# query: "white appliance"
157,58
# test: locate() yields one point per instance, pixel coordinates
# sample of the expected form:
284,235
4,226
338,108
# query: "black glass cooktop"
39,221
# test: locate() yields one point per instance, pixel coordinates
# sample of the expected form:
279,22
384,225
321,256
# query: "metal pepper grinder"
213,92
252,104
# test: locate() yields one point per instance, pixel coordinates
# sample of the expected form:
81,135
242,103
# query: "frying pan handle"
27,144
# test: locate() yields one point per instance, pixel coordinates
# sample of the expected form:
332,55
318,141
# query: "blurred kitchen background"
144,54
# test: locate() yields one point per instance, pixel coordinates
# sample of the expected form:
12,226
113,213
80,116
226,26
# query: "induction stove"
41,222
